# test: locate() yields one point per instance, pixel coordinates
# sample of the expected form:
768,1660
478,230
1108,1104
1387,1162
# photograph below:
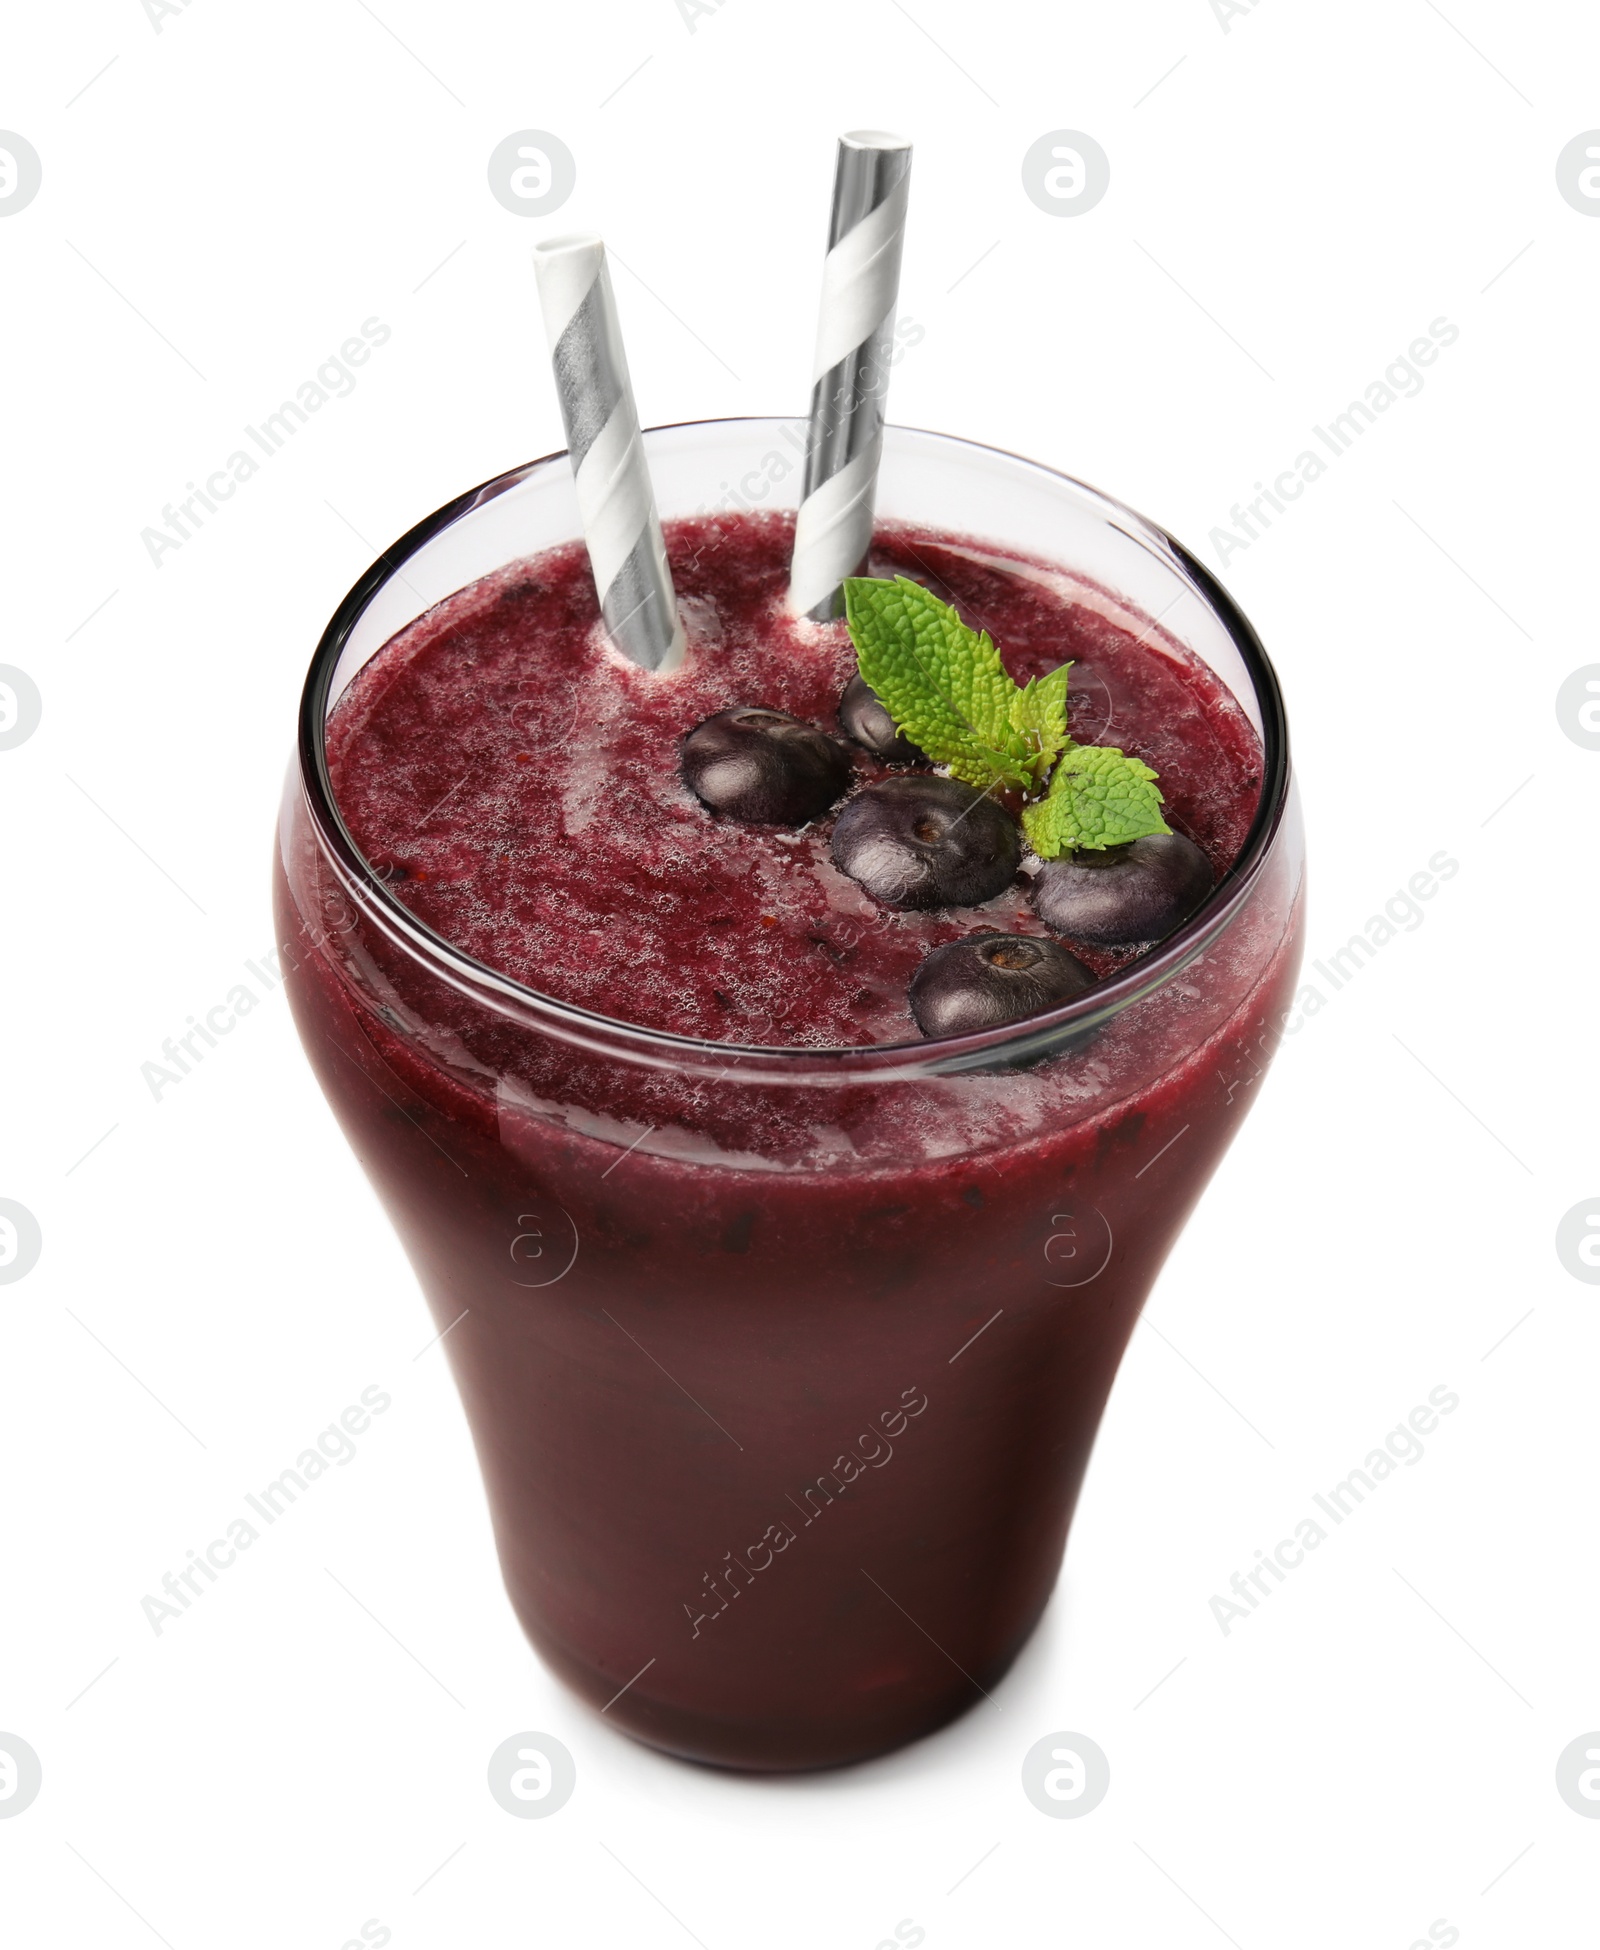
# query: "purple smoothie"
761,1363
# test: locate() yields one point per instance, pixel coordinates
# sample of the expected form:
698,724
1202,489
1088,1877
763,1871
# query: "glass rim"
1030,1039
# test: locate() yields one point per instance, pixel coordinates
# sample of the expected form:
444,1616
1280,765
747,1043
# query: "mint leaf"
1097,798
1039,712
943,684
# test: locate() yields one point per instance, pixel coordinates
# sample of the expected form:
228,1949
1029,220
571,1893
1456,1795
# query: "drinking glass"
784,1365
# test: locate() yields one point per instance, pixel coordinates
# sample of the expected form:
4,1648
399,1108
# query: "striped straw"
620,522
860,281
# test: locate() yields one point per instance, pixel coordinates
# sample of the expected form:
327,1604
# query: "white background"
1300,195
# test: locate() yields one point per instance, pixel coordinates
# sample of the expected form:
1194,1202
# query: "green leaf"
943,684
1097,798
1039,712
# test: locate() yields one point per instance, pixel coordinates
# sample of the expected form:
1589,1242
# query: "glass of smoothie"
783,1330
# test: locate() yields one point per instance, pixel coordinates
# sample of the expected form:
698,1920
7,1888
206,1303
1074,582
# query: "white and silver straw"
620,523
855,333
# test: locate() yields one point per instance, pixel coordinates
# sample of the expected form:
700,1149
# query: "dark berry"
990,979
764,766
865,719
1136,892
918,841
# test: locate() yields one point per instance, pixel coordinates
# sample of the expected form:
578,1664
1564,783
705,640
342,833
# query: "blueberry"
1136,892
990,979
764,766
865,719
918,841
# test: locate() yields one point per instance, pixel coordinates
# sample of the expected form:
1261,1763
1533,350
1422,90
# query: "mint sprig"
948,692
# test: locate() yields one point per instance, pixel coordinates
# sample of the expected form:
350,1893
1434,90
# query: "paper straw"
860,281
620,522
